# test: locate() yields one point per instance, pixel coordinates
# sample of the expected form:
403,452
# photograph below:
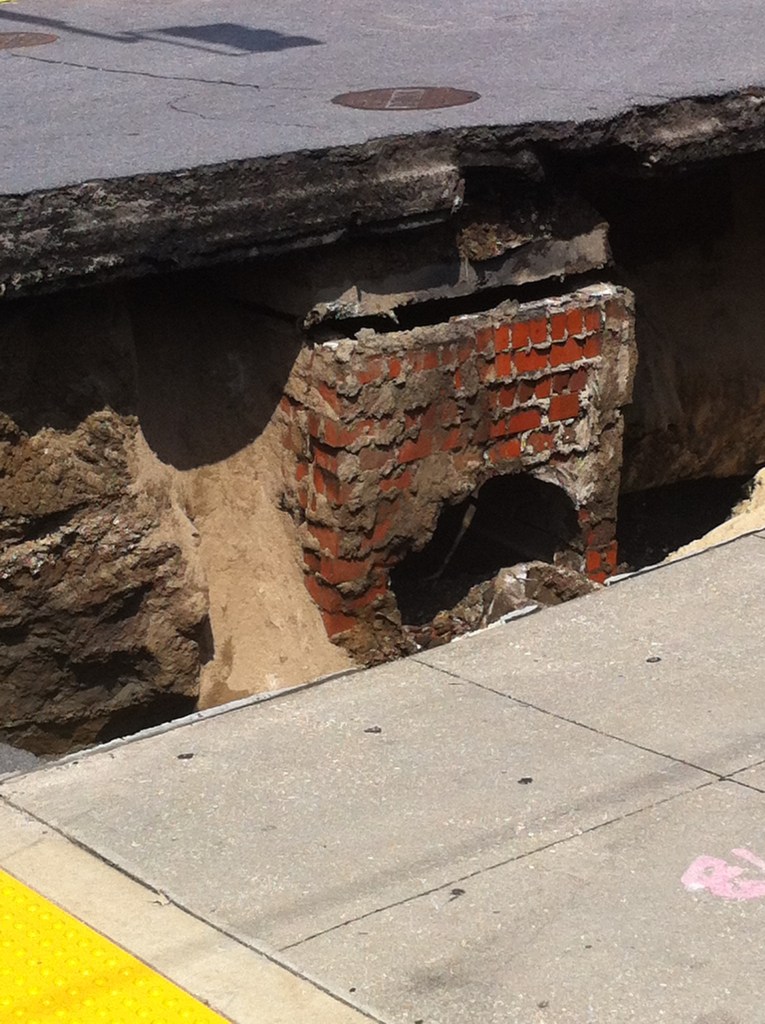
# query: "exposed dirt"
268,632
210,375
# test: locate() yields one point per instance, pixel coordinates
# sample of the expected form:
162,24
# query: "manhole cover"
13,40
407,98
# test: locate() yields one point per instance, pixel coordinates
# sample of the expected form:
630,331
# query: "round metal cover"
13,40
410,97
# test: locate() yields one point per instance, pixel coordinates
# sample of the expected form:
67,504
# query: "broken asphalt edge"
97,231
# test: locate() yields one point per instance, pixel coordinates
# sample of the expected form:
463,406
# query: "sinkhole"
510,519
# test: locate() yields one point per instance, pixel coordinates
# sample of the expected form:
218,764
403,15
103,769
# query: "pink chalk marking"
723,879
751,857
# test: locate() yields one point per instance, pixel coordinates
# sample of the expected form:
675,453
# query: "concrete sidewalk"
507,829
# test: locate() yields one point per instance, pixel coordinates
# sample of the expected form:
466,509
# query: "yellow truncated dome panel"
53,968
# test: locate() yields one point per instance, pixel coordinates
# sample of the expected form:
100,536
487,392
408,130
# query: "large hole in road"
654,523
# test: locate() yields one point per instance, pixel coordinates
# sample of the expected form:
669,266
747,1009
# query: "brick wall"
381,430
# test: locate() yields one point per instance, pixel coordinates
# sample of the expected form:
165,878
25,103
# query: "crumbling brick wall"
383,429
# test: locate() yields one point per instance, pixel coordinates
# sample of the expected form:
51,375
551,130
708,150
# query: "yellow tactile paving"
56,970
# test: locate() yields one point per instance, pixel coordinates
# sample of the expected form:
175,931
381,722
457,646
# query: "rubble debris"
525,585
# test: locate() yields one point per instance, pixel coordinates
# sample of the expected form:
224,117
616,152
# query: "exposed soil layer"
103,618
145,566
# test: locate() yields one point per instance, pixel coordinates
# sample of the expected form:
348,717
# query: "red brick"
311,560
326,459
504,365
616,310
543,388
329,540
569,352
593,562
394,367
430,359
338,435
528,419
318,480
561,382
374,458
525,391
336,491
314,424
338,622
447,412
372,371
502,339
505,451
592,319
574,321
558,326
398,483
414,361
578,381
330,396
418,449
531,362
380,534
593,346
520,335
538,332
541,442
499,428
483,339
564,407
431,417
327,598
343,570
301,471
452,439
506,397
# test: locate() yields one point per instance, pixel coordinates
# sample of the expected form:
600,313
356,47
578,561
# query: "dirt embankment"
210,376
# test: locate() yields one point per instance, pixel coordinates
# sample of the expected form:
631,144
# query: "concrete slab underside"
431,849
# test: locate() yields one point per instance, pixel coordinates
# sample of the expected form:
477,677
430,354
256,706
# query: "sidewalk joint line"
229,934
499,864
572,721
